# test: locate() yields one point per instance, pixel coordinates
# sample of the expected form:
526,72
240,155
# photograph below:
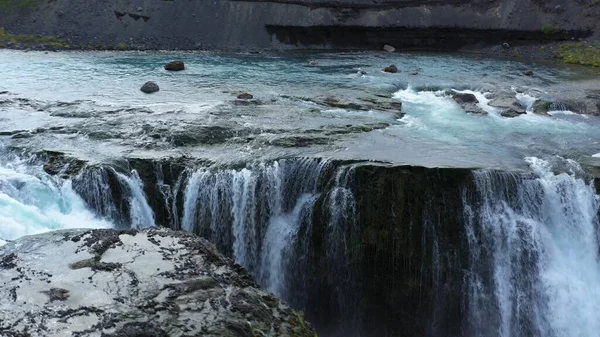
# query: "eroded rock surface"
129,283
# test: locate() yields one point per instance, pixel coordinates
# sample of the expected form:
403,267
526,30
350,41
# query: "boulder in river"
391,69
509,104
175,66
133,283
468,102
150,87
541,107
245,95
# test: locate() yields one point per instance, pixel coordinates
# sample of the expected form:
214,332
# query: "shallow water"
102,86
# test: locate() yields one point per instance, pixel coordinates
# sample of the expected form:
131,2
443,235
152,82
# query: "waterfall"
254,212
533,246
141,213
115,196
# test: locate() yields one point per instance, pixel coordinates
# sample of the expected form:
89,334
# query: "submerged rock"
391,69
468,102
150,87
175,66
130,283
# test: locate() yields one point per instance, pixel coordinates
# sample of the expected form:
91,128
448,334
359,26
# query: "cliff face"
247,24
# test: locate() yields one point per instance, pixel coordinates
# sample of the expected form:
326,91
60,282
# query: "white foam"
31,202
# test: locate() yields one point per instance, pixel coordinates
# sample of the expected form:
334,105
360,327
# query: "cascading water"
33,202
533,245
142,215
115,196
254,212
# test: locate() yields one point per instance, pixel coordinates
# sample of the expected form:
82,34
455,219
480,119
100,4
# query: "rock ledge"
133,283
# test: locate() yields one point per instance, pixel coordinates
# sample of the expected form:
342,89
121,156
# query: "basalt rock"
391,69
163,283
468,102
509,105
150,87
541,107
175,66
245,95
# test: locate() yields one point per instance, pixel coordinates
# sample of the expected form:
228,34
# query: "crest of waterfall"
534,264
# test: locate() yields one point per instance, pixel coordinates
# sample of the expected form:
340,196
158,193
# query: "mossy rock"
579,53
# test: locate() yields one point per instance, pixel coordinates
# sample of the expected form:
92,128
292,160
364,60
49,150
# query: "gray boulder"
509,104
133,283
150,87
468,102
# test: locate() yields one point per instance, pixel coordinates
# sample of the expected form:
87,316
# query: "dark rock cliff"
248,24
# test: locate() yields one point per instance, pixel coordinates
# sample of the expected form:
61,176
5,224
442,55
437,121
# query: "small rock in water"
245,96
468,103
175,66
149,87
313,63
528,73
506,45
391,69
462,98
541,107
389,48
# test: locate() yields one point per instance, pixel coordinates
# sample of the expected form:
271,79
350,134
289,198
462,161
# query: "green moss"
31,39
121,46
9,5
579,53
549,29
100,46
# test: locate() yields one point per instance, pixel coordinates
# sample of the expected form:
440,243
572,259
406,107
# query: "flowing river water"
312,185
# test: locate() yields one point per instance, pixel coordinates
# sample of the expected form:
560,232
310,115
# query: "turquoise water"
90,93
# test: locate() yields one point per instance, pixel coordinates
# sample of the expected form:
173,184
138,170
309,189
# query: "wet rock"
513,112
528,73
389,48
313,63
175,66
245,95
299,141
505,45
169,281
468,102
150,87
391,69
196,135
22,135
541,107
509,104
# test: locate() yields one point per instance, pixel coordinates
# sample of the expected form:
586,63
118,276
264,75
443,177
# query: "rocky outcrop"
128,283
